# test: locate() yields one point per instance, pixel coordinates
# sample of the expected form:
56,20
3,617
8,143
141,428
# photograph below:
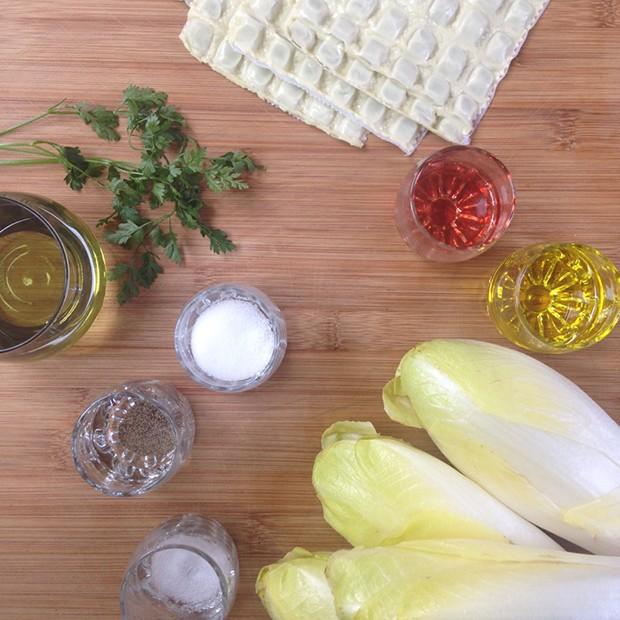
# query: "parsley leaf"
158,194
172,249
103,121
149,270
133,277
129,288
219,240
78,168
117,272
226,171
125,232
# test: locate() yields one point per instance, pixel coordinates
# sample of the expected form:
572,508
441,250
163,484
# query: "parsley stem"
28,151
123,165
34,148
51,110
29,148
17,126
158,221
27,162
7,145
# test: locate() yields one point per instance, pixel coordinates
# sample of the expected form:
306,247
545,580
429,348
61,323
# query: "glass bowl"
555,298
52,277
455,204
121,458
195,308
185,568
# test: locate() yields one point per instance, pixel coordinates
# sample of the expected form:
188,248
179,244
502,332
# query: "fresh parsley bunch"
171,175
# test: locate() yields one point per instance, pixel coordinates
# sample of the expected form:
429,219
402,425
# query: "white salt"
232,340
184,577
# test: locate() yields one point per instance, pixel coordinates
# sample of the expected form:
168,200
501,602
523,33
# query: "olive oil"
555,298
52,276
32,278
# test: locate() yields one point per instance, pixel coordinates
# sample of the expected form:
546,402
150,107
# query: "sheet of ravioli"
253,34
205,37
438,62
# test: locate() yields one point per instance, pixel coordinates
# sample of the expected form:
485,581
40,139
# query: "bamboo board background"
315,233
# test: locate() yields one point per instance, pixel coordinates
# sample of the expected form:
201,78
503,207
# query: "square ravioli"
330,53
279,52
227,57
345,29
375,53
438,50
265,10
405,71
391,23
302,35
248,35
310,71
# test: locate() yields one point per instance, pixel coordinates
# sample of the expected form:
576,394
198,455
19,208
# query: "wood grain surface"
316,233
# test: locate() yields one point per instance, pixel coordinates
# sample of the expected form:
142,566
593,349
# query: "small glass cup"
52,276
186,569
194,309
123,457
455,204
555,298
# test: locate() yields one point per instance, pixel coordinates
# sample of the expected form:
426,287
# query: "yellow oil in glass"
555,298
52,276
32,278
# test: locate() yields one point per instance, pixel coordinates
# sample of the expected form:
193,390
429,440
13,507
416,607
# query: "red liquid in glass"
456,204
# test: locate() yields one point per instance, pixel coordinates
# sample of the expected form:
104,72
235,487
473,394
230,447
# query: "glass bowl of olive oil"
52,276
555,298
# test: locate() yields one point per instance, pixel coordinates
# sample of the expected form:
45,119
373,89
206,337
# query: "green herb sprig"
173,171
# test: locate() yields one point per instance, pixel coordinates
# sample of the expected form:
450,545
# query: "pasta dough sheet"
205,37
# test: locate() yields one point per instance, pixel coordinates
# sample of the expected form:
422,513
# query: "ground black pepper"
146,431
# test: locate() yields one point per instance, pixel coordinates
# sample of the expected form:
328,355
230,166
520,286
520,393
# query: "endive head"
376,490
528,435
472,579
454,379
295,588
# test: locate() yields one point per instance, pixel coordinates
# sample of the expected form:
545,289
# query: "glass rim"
267,307
170,470
436,155
133,567
15,200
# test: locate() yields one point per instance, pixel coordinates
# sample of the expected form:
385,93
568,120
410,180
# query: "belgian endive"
472,580
525,433
296,588
377,490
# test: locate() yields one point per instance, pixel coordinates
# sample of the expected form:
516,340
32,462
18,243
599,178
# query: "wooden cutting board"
316,233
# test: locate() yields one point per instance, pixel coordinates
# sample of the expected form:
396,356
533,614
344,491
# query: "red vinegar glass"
456,204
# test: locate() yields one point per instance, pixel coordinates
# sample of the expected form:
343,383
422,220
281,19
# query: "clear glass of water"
134,438
186,569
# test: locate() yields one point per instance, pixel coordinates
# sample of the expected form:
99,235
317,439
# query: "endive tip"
350,430
296,587
293,554
398,406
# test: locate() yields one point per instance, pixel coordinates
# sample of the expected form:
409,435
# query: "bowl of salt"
230,338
